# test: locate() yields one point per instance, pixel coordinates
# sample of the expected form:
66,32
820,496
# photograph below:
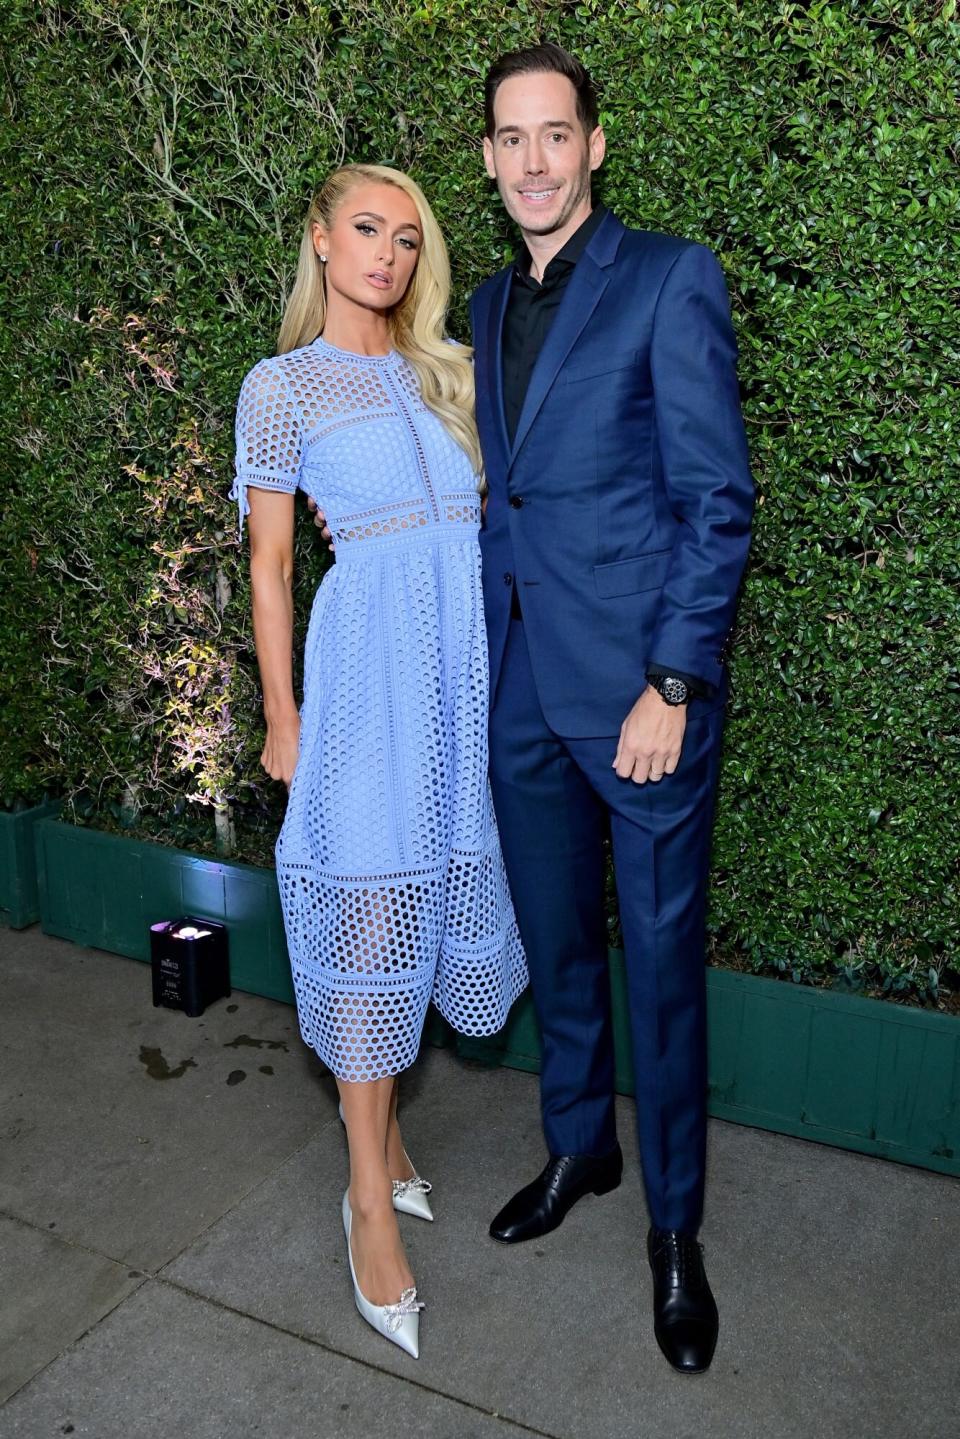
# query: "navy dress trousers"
616,532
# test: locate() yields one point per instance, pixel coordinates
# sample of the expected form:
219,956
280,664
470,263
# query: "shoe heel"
606,1186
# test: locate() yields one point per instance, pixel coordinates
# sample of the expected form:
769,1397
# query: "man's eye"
558,135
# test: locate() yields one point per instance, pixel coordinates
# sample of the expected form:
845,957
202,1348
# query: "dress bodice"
354,433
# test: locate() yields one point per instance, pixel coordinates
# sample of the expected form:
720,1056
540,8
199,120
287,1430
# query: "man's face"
539,154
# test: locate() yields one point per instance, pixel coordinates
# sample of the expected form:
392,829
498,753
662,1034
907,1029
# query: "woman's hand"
282,748
320,520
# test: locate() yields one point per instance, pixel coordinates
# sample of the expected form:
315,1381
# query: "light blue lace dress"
389,864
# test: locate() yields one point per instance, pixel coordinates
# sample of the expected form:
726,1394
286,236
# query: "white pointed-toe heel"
409,1195
400,1322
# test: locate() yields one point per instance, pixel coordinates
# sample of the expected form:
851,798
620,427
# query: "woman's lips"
379,280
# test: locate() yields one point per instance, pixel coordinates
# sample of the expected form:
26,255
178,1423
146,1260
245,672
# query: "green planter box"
861,1074
857,1073
105,890
19,899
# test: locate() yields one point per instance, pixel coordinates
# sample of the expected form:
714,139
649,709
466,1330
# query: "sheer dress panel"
389,864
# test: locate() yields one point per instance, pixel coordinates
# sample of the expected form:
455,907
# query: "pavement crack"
499,1415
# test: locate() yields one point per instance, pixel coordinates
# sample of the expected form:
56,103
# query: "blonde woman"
389,864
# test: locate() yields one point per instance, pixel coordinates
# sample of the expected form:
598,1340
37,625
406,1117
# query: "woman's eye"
408,244
365,228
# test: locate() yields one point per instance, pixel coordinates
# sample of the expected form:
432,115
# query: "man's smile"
539,196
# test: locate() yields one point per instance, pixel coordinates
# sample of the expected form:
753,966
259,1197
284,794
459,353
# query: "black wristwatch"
671,690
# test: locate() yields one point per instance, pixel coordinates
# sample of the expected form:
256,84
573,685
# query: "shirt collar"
571,251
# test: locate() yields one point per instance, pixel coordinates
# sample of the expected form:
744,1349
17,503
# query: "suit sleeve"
706,468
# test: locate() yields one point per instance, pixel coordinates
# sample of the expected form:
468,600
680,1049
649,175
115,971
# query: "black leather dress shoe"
685,1318
543,1205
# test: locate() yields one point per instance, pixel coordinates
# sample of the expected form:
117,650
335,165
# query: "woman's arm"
271,578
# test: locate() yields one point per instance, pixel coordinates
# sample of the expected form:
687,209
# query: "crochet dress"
391,878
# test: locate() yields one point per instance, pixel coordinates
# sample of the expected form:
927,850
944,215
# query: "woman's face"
372,246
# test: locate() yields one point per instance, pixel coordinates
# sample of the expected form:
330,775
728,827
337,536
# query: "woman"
389,864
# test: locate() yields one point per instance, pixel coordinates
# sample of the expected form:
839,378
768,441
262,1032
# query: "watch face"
674,691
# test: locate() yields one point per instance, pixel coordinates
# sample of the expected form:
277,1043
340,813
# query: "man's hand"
651,738
320,520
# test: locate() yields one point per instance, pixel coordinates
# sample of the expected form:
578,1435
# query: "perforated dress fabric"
391,877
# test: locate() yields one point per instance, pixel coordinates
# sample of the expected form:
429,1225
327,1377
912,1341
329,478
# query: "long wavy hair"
443,367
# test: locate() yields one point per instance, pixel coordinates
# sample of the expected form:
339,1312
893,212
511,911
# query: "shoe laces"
556,1169
680,1256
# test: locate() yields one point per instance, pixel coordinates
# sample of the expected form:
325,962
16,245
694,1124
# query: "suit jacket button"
516,502
508,579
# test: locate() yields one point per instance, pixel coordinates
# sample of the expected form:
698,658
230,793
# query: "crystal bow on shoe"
410,1195
416,1185
393,1313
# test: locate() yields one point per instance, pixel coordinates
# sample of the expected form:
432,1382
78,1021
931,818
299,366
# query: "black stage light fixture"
190,963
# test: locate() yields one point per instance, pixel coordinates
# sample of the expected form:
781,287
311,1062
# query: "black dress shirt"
530,312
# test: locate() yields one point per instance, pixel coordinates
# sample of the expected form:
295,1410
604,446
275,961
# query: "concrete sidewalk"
173,1264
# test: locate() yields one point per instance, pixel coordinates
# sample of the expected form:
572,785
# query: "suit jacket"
622,509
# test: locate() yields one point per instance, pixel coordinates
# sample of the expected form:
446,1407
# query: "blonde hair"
442,367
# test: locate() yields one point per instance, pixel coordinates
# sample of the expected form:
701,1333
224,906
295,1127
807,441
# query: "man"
617,527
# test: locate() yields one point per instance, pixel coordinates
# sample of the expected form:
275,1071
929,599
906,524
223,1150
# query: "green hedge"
156,163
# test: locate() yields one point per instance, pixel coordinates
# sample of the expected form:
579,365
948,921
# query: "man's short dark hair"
545,59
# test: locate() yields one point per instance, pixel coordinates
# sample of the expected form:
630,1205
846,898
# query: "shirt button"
508,579
516,502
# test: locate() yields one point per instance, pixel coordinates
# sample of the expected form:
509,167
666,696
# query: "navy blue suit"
622,512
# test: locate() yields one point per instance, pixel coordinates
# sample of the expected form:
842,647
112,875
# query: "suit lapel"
590,278
495,314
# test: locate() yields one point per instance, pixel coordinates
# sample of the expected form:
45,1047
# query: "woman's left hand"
282,749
